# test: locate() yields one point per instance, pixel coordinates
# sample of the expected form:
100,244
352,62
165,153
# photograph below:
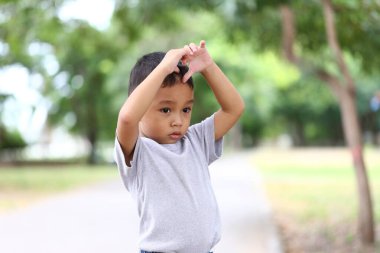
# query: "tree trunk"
92,138
354,141
297,133
92,127
352,129
347,102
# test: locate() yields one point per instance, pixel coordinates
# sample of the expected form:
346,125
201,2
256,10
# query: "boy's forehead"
176,93
181,90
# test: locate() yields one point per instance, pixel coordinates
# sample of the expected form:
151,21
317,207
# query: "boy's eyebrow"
191,101
167,102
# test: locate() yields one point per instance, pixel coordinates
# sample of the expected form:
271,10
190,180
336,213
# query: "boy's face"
168,117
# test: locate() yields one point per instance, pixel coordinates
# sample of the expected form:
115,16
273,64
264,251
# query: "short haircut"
147,63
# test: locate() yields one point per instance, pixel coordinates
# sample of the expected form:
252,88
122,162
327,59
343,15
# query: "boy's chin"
164,141
168,142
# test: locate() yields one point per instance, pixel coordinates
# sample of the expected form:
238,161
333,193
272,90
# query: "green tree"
318,47
86,57
309,121
9,139
20,21
272,26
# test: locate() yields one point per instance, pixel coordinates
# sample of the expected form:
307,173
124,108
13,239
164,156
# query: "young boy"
163,162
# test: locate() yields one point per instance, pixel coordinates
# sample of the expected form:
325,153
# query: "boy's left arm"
232,105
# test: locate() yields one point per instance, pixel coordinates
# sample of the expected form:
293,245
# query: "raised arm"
139,101
230,101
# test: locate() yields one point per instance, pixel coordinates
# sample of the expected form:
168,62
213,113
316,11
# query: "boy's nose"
177,120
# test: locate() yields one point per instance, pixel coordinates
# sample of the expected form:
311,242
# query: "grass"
314,197
21,186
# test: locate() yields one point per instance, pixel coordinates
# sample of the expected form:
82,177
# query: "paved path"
103,218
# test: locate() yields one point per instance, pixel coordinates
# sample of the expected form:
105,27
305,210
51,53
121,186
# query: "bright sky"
96,12
15,80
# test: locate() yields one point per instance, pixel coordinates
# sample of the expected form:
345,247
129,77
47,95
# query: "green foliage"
86,59
277,98
356,25
259,23
309,113
21,20
370,120
10,139
244,37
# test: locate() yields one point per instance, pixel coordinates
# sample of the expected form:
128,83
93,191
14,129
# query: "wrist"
210,68
158,75
162,71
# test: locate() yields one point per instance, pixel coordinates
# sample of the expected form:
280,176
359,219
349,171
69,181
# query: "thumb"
187,76
202,44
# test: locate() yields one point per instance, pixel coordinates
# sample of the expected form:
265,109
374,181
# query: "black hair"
147,63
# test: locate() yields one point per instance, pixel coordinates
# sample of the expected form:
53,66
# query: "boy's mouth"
175,135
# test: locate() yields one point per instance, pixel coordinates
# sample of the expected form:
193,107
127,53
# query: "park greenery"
315,212
86,89
306,69
25,185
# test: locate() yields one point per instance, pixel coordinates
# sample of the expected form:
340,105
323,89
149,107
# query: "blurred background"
307,70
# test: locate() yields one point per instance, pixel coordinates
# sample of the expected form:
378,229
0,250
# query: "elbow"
126,119
241,108
236,109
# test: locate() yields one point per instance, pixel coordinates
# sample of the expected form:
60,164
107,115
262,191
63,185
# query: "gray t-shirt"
171,185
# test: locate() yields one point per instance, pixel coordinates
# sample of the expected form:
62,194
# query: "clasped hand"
196,57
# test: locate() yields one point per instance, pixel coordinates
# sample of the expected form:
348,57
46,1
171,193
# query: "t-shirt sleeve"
127,173
204,134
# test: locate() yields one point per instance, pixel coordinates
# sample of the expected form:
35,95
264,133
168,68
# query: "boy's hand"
197,57
171,59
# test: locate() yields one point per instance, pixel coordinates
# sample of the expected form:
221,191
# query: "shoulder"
203,129
143,145
204,124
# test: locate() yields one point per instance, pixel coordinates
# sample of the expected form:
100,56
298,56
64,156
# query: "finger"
186,76
176,70
188,50
202,44
193,47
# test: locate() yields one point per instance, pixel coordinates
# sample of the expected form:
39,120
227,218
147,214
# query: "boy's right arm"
139,101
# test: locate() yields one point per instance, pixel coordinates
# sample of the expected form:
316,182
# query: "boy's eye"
165,110
187,109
